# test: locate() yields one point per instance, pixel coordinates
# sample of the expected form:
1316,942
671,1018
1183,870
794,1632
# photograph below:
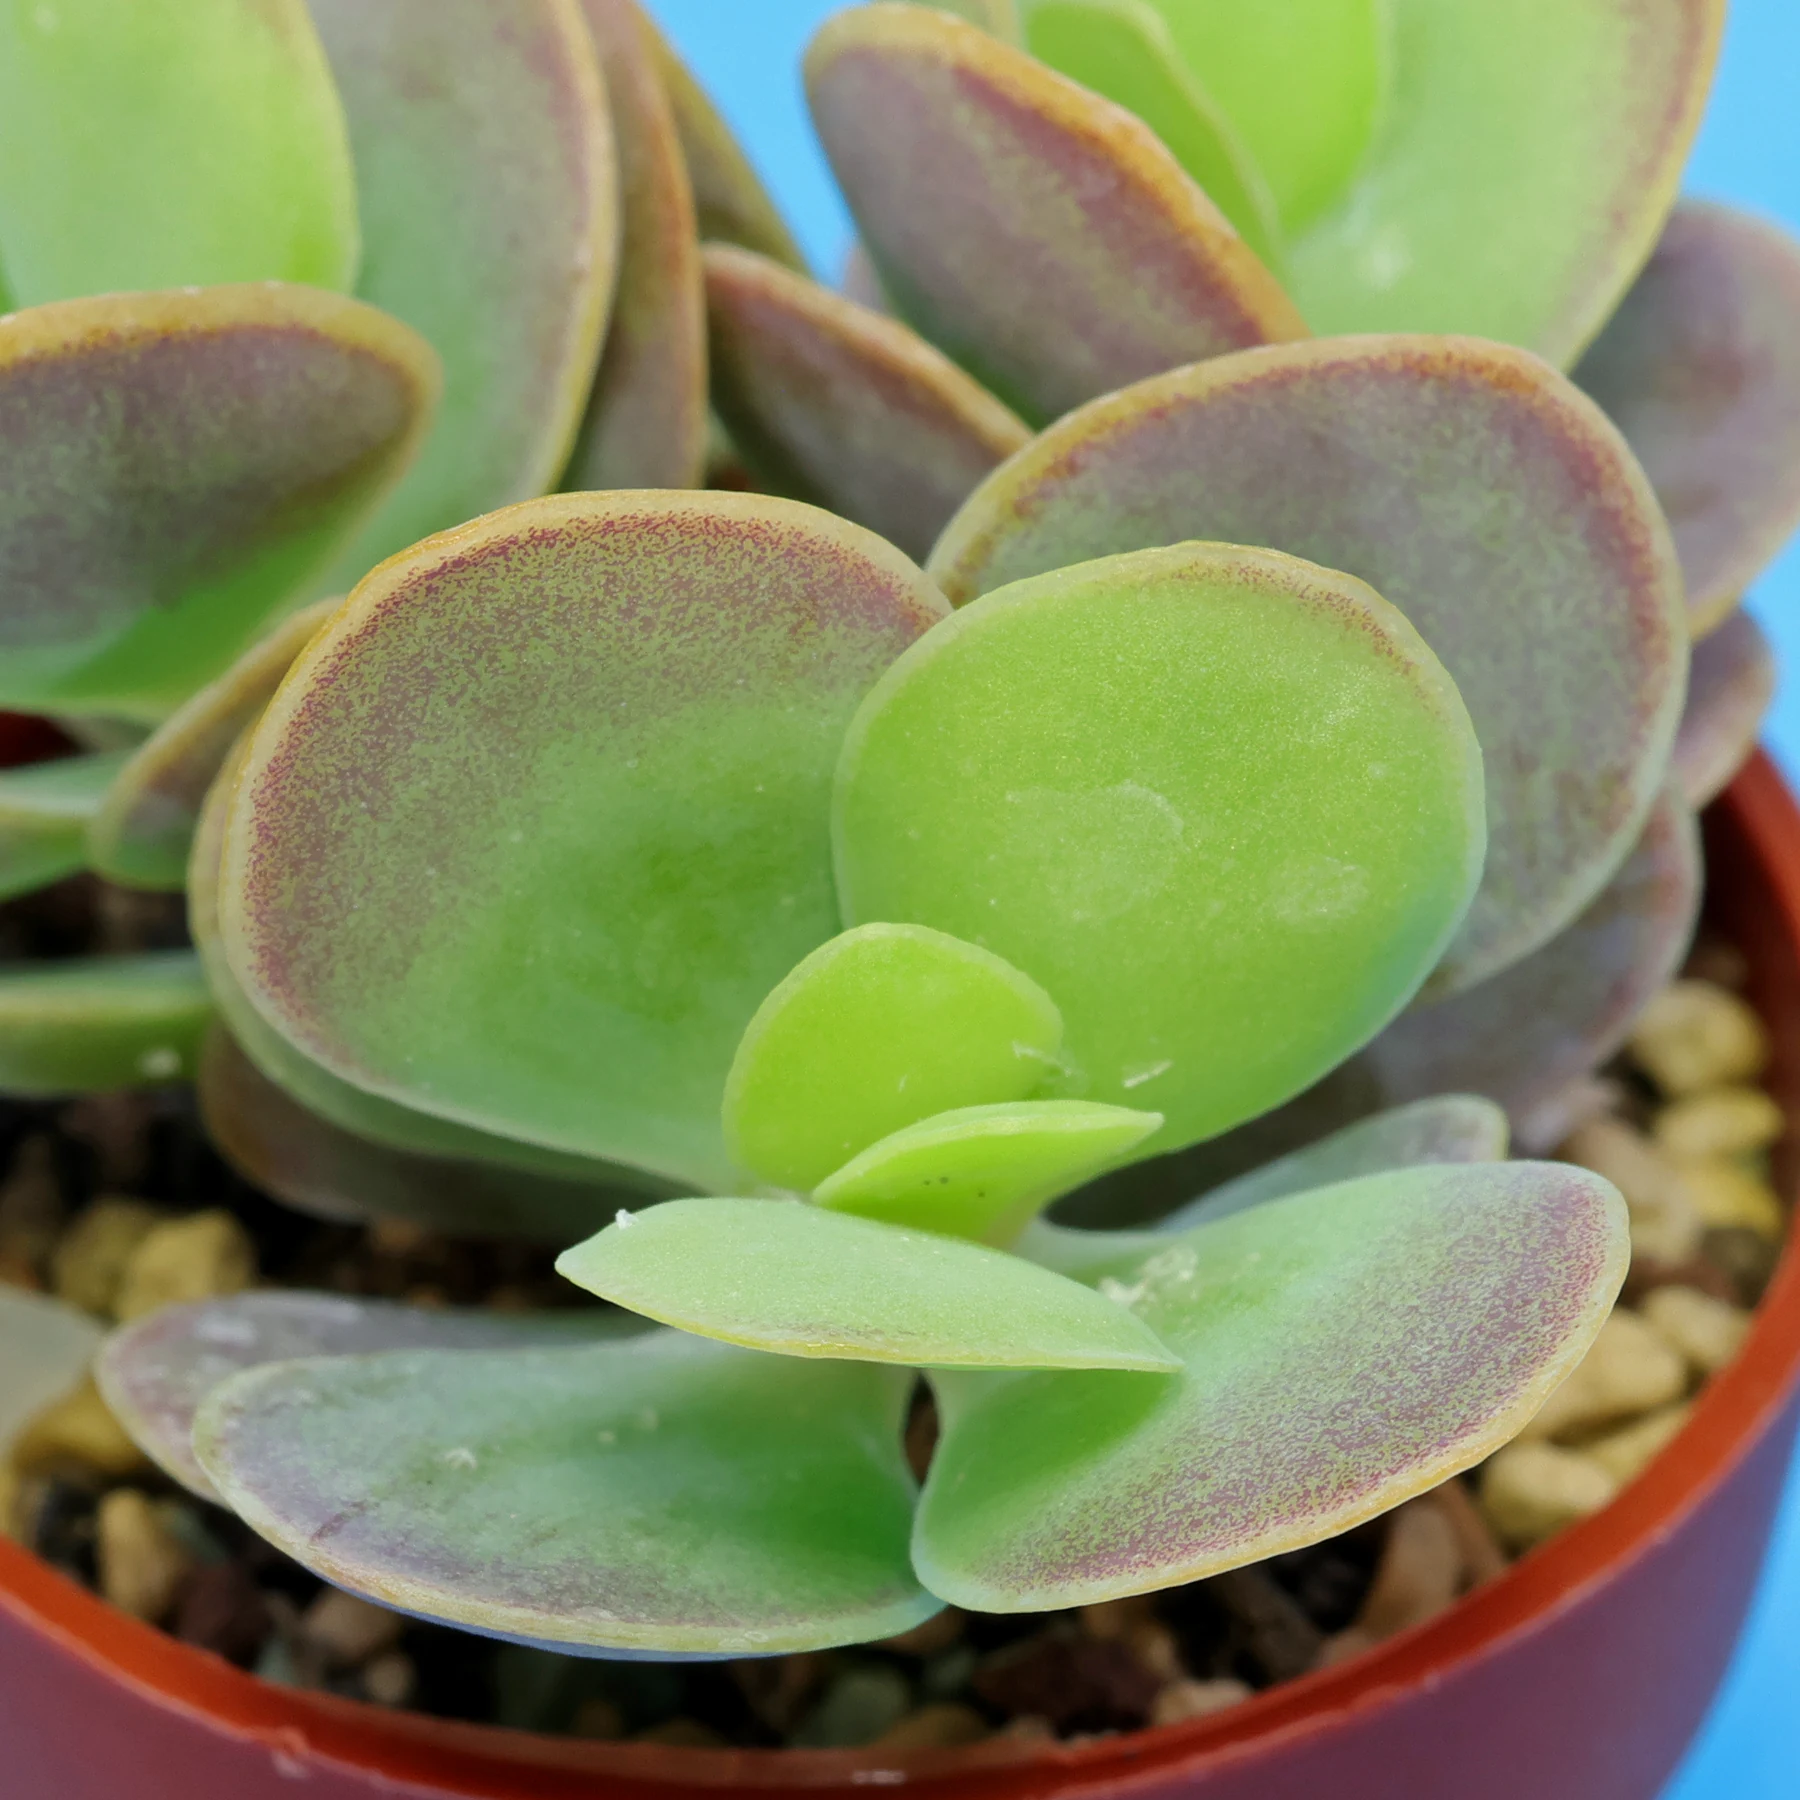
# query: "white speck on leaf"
462,1457
1138,1077
624,1220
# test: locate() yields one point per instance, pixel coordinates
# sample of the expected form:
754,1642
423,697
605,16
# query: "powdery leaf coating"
143,831
879,1028
1443,1128
538,821
1124,50
157,1371
169,143
732,204
1529,156
1524,1035
45,1349
1041,235
86,1024
485,172
302,1158
173,466
1700,368
797,1280
45,810
646,418
665,1496
1468,484
1345,1348
1731,686
841,405
984,1172
1199,771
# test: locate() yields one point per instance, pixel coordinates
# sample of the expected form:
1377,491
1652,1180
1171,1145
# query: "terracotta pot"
1578,1675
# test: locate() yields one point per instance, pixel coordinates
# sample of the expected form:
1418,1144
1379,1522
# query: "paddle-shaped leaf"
1200,771
1731,685
1700,367
157,1371
732,205
1038,233
1444,1128
665,1496
142,833
45,1349
301,1157
45,810
549,908
172,466
1528,158
646,418
100,1022
1345,1349
169,143
783,1276
1472,487
837,404
1524,1035
485,173
1124,50
879,1028
983,1172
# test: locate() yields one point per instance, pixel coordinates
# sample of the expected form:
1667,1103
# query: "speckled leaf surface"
879,1028
834,403
488,187
92,1023
1700,368
1345,1349
143,832
1468,484
169,143
645,425
1529,157
1443,1128
732,205
1200,770
550,909
156,1372
1524,1035
1731,686
44,814
1037,233
666,1496
1123,50
983,1172
45,1349
302,1158
797,1280
172,467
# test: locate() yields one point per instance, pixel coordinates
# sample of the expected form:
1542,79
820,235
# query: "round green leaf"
101,1022
1039,234
172,467
1224,805
1530,153
1346,1349
1731,686
665,1496
879,1028
1700,367
169,143
157,1371
488,188
983,1172
794,1279
1471,486
45,1349
837,404
539,819
45,811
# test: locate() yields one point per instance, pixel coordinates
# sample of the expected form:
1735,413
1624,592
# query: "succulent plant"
1118,736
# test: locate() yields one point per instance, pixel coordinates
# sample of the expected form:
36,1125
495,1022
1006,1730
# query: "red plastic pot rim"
1729,1420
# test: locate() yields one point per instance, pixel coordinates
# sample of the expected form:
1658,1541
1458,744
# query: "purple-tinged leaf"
1731,686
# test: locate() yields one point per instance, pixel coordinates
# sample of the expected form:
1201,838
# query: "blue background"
748,53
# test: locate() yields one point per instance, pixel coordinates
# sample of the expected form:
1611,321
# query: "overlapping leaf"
101,1022
1731,685
45,810
45,1349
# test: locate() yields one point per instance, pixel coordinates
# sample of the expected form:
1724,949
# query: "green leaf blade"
45,812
